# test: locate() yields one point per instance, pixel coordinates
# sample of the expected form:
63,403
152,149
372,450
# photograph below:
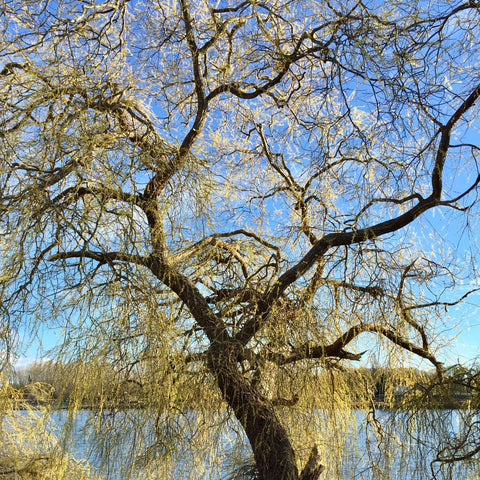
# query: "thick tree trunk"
272,450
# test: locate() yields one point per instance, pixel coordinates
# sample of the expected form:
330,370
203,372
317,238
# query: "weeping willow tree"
227,203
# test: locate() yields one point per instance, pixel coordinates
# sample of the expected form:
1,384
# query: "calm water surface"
402,449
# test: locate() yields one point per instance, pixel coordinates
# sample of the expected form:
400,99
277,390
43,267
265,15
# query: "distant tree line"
59,383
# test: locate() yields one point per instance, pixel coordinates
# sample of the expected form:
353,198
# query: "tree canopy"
228,198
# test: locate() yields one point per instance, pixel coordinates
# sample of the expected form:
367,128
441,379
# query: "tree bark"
314,467
272,450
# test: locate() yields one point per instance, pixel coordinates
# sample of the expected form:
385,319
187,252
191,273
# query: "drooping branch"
317,252
33,271
406,313
444,143
133,123
182,286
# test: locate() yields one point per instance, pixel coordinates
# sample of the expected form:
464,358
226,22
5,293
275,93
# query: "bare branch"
444,142
444,304
72,194
337,348
213,240
102,257
316,253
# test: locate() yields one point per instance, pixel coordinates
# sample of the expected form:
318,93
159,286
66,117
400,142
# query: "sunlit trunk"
272,450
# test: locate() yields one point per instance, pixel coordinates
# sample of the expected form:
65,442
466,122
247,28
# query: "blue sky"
467,343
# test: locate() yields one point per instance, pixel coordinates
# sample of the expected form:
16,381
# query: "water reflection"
137,445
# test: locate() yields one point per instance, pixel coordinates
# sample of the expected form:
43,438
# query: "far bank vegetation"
60,384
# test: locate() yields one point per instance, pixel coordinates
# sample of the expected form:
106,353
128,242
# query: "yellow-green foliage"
219,208
29,450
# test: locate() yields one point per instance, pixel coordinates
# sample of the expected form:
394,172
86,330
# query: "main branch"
336,239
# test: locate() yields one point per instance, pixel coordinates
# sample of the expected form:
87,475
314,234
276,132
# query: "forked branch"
336,239
337,348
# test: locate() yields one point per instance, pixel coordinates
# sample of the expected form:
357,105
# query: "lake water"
386,447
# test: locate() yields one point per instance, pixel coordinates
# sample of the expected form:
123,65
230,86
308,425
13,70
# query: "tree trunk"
272,450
